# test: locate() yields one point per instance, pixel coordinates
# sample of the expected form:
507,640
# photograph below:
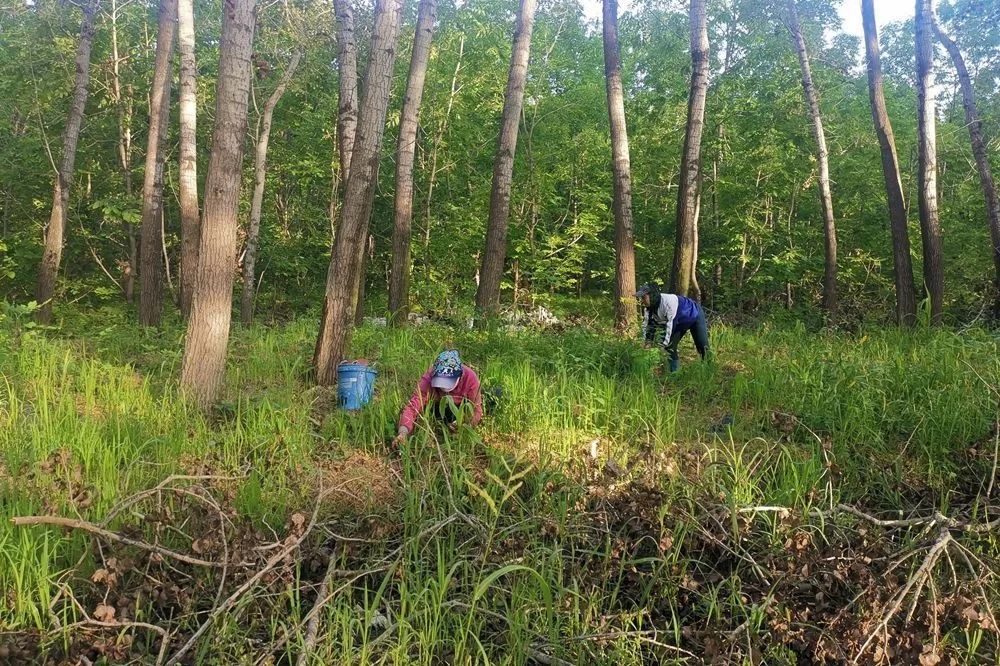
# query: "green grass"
494,543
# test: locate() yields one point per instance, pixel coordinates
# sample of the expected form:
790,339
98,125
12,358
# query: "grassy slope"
523,541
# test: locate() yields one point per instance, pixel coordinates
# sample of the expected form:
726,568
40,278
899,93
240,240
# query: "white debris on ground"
414,319
539,317
514,320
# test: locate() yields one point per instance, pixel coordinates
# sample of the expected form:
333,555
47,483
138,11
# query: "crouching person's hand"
400,436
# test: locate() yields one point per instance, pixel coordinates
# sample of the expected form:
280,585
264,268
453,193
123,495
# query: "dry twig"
86,526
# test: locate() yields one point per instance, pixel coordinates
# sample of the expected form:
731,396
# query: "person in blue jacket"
667,317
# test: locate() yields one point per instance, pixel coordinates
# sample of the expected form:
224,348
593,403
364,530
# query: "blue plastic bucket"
355,385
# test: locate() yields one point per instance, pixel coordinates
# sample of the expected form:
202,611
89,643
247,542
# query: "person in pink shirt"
446,387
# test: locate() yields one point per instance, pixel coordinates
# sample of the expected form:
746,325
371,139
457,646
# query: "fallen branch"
918,579
164,636
249,584
75,524
542,658
937,518
312,628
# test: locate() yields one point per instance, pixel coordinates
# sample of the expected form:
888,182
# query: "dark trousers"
700,334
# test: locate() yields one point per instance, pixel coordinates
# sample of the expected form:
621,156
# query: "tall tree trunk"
825,198
188,159
906,303
347,113
260,175
124,105
399,280
48,271
495,252
621,172
335,327
208,327
980,152
150,234
930,231
347,106
685,254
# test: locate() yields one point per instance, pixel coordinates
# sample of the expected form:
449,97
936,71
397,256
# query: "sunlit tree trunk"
260,176
930,230
150,233
339,308
495,252
347,109
48,271
188,149
685,244
980,151
822,156
399,281
208,327
621,172
906,304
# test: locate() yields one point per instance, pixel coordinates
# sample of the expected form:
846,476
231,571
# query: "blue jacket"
672,313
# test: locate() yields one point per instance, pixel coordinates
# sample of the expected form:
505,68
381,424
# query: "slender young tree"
434,169
906,302
621,171
48,271
124,103
399,282
930,231
150,233
981,153
822,157
495,252
686,243
260,176
341,283
188,154
208,327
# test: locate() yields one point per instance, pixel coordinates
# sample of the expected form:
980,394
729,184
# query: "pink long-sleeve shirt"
466,389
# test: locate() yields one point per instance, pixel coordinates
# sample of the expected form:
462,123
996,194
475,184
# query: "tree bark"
188,159
150,235
830,302
260,175
48,271
981,152
347,107
906,303
347,113
211,310
399,280
621,172
339,307
930,231
495,252
685,253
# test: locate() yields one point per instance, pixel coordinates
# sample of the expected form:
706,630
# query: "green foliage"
760,241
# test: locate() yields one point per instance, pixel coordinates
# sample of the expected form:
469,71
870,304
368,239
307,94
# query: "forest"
243,244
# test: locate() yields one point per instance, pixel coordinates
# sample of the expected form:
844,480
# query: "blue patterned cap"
447,370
